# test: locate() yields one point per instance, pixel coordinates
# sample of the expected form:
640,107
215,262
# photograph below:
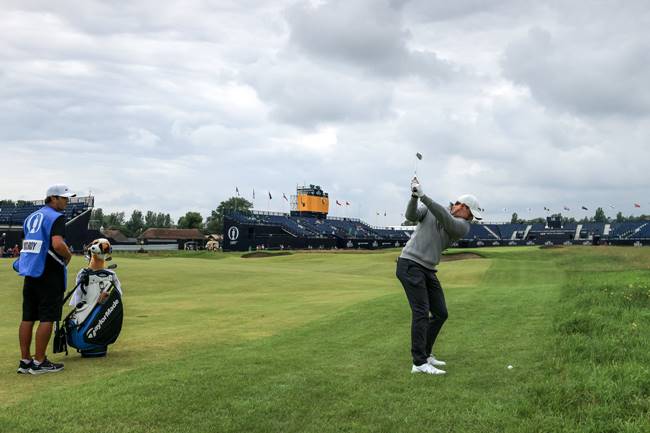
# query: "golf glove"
416,188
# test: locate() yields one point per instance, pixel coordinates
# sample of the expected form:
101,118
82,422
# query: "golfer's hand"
416,188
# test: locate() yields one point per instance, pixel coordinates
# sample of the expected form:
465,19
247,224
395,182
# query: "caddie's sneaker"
45,367
23,367
427,369
435,362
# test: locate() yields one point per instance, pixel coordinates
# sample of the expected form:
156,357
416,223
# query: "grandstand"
309,226
268,230
306,226
77,216
624,233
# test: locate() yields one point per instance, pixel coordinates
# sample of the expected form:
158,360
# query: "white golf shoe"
435,362
427,369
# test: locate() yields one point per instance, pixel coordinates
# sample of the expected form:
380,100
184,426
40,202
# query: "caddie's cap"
59,190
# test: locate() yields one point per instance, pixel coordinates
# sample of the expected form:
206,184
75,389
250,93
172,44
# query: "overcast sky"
169,106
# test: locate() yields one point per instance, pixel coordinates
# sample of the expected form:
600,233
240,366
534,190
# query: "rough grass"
319,343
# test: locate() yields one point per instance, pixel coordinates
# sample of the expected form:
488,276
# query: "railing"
354,220
87,200
261,212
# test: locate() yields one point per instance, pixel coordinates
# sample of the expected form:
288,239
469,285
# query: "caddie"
42,261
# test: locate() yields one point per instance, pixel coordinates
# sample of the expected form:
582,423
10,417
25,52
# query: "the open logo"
233,233
34,223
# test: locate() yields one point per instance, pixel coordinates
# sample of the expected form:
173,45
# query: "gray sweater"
437,229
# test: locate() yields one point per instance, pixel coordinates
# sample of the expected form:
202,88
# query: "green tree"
619,217
7,203
191,220
114,220
135,225
96,219
600,216
150,219
214,223
515,218
157,220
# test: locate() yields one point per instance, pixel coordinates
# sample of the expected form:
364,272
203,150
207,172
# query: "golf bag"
90,327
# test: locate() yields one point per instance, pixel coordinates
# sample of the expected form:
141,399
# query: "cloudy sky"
169,106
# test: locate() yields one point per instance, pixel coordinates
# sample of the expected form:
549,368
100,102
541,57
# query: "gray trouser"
428,307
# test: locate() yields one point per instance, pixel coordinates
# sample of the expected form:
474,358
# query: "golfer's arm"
412,212
456,227
58,244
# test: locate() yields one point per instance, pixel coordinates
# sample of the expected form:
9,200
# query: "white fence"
146,247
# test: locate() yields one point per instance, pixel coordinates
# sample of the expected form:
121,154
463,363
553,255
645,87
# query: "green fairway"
319,342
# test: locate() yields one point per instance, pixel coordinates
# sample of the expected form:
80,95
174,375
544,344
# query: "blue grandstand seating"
478,232
594,228
15,215
350,228
623,230
642,231
506,230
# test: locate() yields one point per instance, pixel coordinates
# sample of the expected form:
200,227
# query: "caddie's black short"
43,296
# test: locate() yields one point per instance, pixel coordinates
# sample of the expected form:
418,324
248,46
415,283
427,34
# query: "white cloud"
170,106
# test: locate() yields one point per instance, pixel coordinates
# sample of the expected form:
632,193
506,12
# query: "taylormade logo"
92,332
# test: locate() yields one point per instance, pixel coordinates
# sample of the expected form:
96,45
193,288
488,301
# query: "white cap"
472,203
59,190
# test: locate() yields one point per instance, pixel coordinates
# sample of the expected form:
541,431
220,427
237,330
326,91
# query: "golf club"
419,158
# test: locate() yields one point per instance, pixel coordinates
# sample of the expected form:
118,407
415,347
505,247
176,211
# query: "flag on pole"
637,205
377,213
253,193
237,190
546,209
270,196
611,206
566,208
347,203
338,203
505,209
384,213
584,207
284,196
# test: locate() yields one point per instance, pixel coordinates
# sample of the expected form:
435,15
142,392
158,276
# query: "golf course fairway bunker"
460,256
263,254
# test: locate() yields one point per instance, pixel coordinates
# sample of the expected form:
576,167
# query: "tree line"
599,217
12,203
140,221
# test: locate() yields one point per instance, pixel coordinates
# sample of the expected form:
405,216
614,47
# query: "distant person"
43,260
437,228
15,251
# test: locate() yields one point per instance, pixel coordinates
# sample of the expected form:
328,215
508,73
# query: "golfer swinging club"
437,228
